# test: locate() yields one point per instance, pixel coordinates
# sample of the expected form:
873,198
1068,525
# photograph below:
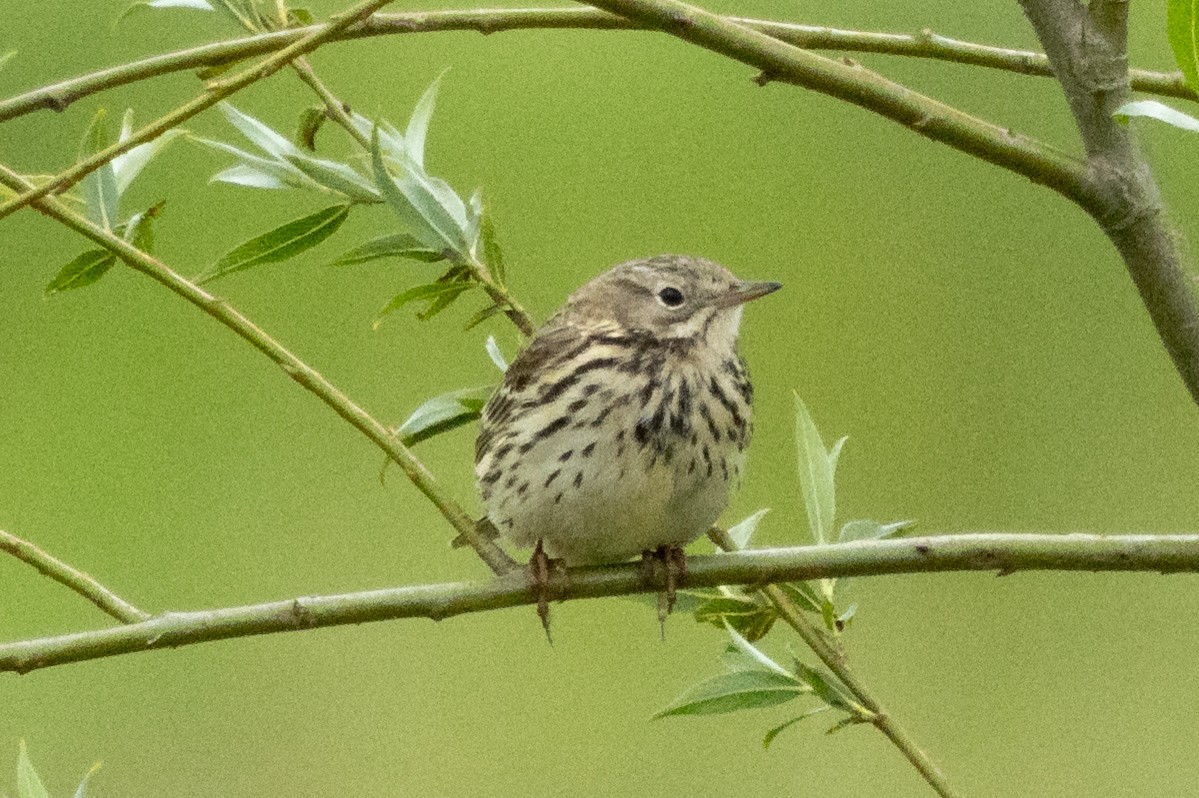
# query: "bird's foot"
542,570
674,566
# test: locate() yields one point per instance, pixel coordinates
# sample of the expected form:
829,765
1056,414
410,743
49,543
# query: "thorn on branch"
763,78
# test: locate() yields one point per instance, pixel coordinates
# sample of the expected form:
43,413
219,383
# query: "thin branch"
1088,47
83,584
215,92
925,44
295,368
1002,553
834,659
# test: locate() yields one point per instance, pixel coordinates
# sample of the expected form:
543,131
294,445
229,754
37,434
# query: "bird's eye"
670,297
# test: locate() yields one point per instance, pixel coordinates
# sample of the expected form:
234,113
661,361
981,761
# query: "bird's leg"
674,565
541,569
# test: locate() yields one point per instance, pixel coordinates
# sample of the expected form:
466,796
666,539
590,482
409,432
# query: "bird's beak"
746,290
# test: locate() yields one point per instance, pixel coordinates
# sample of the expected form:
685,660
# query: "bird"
621,428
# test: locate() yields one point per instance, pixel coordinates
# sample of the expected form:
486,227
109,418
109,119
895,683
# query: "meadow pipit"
622,425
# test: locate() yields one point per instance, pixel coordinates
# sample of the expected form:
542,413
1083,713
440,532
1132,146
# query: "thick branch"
1088,48
295,368
83,584
1003,553
215,93
925,44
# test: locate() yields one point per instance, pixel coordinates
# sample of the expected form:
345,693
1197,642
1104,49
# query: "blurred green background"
975,336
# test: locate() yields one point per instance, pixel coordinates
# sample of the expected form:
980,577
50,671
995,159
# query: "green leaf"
826,687
753,652
311,120
1182,29
493,256
395,245
770,735
444,413
99,188
816,466
29,784
262,135
493,352
242,12
418,123
863,529
248,176
735,691
299,17
802,594
426,205
143,5
139,229
429,292
336,177
282,243
6,57
744,615
129,165
852,720
1159,111
85,269
281,171
483,315
741,532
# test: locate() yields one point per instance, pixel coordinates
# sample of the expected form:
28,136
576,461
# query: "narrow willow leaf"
143,5
1182,29
282,243
418,123
6,57
742,531
825,686
396,245
864,529
248,176
846,617
1159,111
753,652
99,188
129,165
852,720
81,790
746,616
444,413
770,735
241,12
483,315
280,170
85,269
493,352
138,230
442,301
299,17
428,292
493,256
815,474
802,594
731,692
311,121
29,783
262,135
335,176
416,206
474,218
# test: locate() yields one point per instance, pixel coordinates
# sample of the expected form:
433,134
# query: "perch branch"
83,584
925,44
1004,553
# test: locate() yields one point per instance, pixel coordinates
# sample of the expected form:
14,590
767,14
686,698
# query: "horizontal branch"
83,584
925,44
1003,553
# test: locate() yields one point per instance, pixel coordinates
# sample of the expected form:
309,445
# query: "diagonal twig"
83,584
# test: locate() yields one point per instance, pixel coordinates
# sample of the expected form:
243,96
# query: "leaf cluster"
29,783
